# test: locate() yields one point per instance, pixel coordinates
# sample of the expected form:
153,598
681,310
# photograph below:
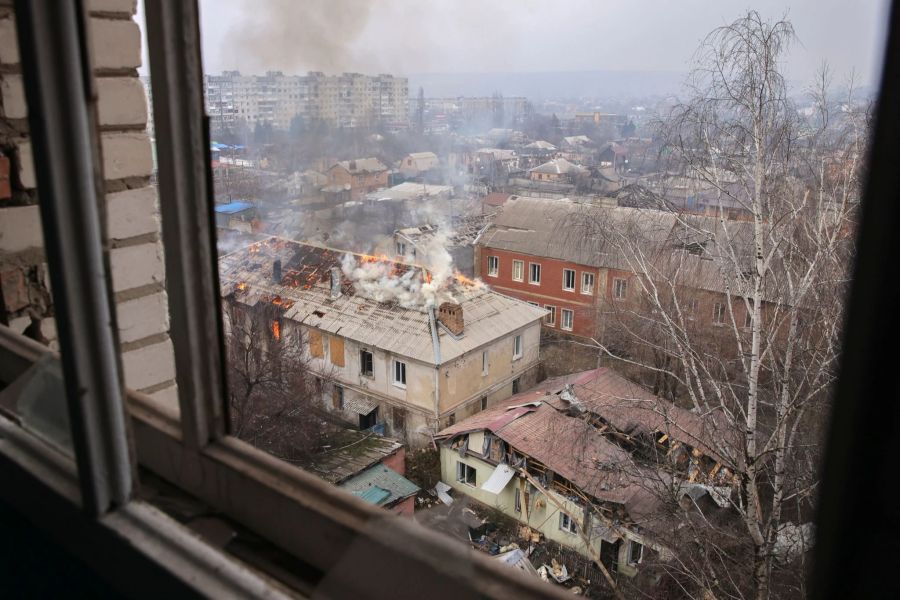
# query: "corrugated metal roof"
380,485
559,166
350,453
370,165
304,292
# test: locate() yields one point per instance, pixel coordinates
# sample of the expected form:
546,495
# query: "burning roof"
376,301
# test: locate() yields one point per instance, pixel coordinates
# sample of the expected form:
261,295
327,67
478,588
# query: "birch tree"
742,317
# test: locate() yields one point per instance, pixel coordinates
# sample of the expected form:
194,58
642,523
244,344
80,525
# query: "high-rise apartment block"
346,100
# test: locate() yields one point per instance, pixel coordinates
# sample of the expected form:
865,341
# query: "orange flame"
464,280
241,287
276,330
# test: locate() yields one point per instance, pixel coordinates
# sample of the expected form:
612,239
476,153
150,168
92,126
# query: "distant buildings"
353,179
276,99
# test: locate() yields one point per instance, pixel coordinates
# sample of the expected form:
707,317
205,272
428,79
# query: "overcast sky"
438,36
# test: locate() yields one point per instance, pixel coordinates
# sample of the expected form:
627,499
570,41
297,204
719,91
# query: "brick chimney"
276,271
451,315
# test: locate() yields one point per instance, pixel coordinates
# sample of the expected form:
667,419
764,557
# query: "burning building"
405,347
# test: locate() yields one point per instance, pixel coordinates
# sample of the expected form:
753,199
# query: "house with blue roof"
384,487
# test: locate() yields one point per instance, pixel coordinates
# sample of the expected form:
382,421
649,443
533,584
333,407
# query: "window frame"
551,315
531,272
631,559
518,347
521,266
485,363
620,288
571,528
562,319
719,311
398,367
493,266
462,474
587,290
363,372
574,276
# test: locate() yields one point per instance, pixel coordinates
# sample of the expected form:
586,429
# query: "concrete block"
121,101
136,266
20,228
13,90
9,43
143,317
115,44
149,365
126,155
132,212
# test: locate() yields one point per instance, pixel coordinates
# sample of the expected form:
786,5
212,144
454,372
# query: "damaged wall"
131,203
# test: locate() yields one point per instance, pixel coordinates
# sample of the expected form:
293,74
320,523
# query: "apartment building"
346,100
393,359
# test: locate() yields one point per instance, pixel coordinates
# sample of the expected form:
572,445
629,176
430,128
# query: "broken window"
401,249
515,385
366,366
569,280
635,552
518,270
620,288
535,274
518,501
718,313
550,319
483,402
493,266
484,363
566,523
692,307
568,319
465,473
337,397
587,283
399,373
517,347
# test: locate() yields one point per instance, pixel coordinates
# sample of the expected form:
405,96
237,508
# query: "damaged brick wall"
132,218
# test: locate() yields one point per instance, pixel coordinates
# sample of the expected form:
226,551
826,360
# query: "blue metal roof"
380,485
233,207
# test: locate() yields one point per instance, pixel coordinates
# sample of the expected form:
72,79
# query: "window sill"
399,386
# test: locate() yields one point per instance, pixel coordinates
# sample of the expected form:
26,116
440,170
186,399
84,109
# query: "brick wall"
136,254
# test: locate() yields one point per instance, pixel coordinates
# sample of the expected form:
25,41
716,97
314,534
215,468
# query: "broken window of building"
493,266
483,402
465,473
337,397
568,319
550,319
635,552
535,274
620,287
401,249
518,501
516,385
718,313
568,280
567,524
518,270
517,347
587,283
366,366
399,373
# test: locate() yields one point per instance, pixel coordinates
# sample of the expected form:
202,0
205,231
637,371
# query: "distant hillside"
542,86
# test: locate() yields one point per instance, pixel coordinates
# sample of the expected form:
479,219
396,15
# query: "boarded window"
316,349
337,351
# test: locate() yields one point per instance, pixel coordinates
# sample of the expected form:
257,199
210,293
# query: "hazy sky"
415,36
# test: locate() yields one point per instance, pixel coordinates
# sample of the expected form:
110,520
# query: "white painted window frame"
493,264
531,279
520,265
587,290
566,273
562,319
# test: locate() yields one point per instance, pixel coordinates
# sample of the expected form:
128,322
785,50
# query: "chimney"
276,271
335,283
451,315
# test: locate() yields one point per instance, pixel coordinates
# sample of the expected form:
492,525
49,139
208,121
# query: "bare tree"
740,320
274,390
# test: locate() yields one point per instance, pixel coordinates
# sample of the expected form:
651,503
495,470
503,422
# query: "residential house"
557,170
362,175
235,215
402,346
564,459
417,164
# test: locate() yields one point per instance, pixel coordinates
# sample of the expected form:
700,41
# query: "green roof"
380,485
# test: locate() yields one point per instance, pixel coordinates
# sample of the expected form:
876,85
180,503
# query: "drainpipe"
436,342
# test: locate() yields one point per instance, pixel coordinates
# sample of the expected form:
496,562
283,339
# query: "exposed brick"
143,317
5,186
134,266
115,44
9,44
122,101
126,155
149,365
26,165
20,228
132,212
113,6
13,91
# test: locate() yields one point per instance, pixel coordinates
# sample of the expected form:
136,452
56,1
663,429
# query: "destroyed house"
570,459
403,349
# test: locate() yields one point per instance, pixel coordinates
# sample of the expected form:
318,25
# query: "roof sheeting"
233,207
368,165
498,479
380,485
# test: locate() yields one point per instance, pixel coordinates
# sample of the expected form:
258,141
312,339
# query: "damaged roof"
349,453
380,485
363,165
304,294
559,166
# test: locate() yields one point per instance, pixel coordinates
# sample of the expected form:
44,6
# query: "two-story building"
566,460
396,345
357,177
